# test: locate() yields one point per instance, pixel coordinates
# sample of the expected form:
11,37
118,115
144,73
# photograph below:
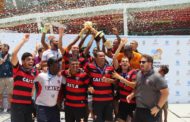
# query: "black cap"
51,61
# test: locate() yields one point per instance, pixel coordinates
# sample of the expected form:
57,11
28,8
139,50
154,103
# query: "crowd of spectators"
104,23
55,5
159,22
24,28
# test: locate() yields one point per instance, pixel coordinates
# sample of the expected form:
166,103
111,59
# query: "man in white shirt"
53,52
48,86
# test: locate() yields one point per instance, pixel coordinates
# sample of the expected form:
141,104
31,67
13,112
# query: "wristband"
158,107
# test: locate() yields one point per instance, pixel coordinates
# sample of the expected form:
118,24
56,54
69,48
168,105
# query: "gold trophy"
88,25
46,27
99,35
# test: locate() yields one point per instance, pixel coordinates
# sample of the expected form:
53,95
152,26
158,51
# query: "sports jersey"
103,91
76,89
55,54
23,84
48,89
125,90
83,61
134,62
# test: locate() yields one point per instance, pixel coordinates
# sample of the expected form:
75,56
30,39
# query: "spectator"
163,70
134,46
133,57
1,46
38,58
6,73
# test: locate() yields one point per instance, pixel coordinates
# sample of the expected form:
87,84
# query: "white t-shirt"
55,54
49,86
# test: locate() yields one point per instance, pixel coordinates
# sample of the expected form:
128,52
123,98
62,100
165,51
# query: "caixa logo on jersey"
97,79
27,80
177,93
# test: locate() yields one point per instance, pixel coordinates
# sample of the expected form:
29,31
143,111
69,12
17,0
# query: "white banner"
169,50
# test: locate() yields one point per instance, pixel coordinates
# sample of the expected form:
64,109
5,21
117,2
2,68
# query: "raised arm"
60,45
94,33
45,29
103,47
44,44
115,63
34,53
107,45
89,45
83,39
125,81
116,33
14,59
123,42
76,39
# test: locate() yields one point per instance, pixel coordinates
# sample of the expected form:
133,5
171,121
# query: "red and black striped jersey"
76,89
125,90
82,59
23,84
103,90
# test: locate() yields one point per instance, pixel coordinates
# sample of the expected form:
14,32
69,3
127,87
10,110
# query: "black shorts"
47,114
125,110
73,114
103,111
144,115
21,113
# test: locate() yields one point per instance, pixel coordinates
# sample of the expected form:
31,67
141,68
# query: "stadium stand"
160,22
55,5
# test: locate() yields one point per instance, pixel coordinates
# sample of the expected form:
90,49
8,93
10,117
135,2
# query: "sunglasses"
75,64
142,62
